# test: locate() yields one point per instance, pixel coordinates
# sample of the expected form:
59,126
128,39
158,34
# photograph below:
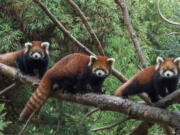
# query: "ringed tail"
36,100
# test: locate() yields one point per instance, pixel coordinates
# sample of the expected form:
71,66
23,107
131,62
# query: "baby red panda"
74,73
154,80
34,56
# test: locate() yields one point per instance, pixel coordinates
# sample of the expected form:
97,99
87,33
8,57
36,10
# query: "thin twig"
89,28
173,33
27,122
110,126
10,87
92,111
163,17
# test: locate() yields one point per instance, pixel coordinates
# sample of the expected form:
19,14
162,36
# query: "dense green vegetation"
22,21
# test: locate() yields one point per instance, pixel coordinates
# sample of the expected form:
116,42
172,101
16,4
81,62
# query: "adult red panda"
34,56
74,73
154,80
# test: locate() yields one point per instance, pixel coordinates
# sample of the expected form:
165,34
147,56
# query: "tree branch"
92,111
133,36
73,39
89,28
144,126
27,122
10,87
135,110
163,17
107,102
110,126
62,28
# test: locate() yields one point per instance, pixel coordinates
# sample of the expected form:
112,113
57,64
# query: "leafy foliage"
22,21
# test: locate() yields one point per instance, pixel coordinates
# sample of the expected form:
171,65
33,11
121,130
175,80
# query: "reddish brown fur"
168,64
9,58
102,63
36,46
142,77
74,63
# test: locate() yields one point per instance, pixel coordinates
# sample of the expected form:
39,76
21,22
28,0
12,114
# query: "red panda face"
37,49
101,66
168,67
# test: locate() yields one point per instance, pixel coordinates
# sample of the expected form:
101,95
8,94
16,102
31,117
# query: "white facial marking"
100,73
27,45
46,45
168,74
159,60
36,55
91,59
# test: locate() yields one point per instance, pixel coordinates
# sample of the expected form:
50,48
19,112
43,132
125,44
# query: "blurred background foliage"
22,21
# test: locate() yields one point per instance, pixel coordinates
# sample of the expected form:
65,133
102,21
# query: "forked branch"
89,28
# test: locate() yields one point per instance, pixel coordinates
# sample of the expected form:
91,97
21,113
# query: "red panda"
73,73
34,56
154,80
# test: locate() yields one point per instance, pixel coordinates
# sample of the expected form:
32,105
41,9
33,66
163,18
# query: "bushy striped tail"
35,102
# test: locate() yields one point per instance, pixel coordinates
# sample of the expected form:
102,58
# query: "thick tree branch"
107,102
134,110
89,28
13,73
127,21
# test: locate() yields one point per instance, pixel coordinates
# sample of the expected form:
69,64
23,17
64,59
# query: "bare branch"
89,28
163,17
25,126
10,87
62,28
141,128
92,111
111,126
107,102
135,110
174,33
127,21
13,73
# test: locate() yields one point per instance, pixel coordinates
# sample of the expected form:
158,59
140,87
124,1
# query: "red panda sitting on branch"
74,73
34,56
154,80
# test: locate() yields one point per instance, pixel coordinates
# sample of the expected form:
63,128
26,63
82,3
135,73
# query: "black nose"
168,75
99,74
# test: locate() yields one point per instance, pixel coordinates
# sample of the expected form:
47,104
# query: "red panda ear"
111,61
45,45
159,61
92,59
27,45
177,61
